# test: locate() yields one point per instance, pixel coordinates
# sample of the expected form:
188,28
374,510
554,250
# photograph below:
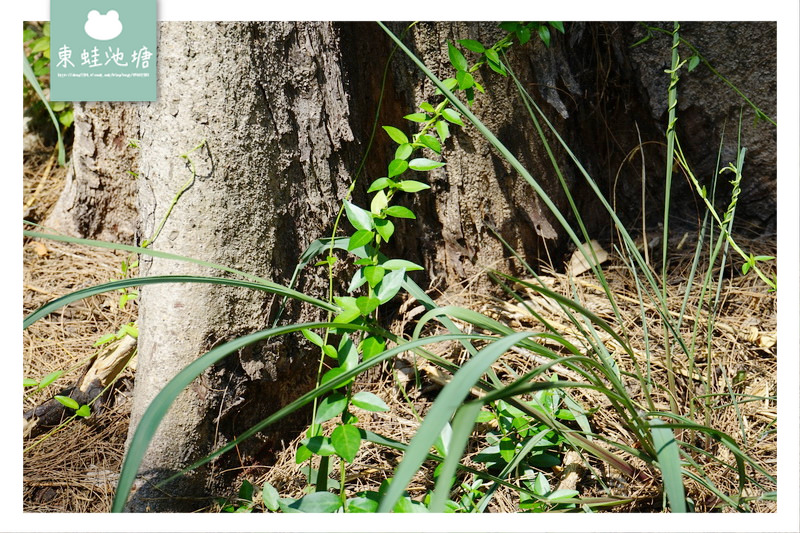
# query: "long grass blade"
669,462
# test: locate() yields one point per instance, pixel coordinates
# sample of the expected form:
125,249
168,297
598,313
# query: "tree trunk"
269,102
99,197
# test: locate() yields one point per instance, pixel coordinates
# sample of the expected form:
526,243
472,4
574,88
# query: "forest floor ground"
75,468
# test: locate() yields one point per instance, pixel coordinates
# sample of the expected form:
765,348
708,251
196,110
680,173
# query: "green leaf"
357,281
396,264
557,25
764,258
347,355
346,440
422,164
330,351
417,117
319,445
507,449
333,373
246,491
49,378
457,59
360,504
472,46
371,346
313,337
385,228
369,402
390,284
523,34
40,45
28,382
359,218
359,239
397,167
330,407
105,339
449,83
497,67
745,268
412,186
540,485
443,130
544,35
397,136
403,151
84,411
451,115
693,62
302,454
510,27
66,401
399,211
378,203
491,55
669,462
350,310
425,106
316,502
374,274
380,183
270,497
431,142
367,305
465,80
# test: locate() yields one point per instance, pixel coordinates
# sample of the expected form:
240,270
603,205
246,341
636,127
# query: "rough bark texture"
269,102
99,197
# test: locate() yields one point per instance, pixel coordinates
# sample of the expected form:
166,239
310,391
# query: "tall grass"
657,439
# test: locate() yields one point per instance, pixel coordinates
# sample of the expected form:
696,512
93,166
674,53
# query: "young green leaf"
369,402
49,378
357,281
302,454
371,346
380,183
361,219
361,504
105,339
385,228
509,26
457,59
346,440
397,264
412,186
359,239
403,151
316,502
417,117
330,407
28,382
449,83
544,35
319,445
442,129
523,34
378,203
374,274
313,337
66,401
451,115
347,355
430,142
390,285
367,305
246,491
397,167
399,211
333,373
693,62
349,309
472,46
397,136
425,106
421,164
557,25
270,497
465,80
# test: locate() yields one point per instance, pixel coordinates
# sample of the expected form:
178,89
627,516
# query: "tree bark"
268,99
